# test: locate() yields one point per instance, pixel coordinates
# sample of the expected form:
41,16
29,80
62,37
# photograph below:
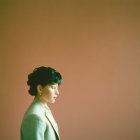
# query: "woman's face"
49,93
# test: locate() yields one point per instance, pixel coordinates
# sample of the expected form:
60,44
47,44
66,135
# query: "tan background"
95,46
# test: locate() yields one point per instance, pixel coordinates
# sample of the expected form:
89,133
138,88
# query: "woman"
38,122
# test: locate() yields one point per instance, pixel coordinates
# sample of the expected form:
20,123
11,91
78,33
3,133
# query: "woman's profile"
38,122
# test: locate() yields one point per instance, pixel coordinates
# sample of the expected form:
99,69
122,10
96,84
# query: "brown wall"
95,46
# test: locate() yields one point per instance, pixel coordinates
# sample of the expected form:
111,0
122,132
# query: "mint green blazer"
38,123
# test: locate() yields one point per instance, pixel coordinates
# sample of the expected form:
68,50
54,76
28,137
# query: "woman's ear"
39,89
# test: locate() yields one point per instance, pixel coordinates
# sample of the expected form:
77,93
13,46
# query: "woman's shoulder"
35,111
32,117
34,122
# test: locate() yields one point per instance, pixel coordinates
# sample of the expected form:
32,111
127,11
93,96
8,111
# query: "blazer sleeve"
33,128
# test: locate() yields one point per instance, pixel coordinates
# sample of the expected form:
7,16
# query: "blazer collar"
47,112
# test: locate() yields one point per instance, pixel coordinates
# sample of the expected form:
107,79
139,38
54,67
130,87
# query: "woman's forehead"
53,84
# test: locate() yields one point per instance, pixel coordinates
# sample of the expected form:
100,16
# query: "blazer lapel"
53,123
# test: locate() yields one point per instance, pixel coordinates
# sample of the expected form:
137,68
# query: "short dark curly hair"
43,76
